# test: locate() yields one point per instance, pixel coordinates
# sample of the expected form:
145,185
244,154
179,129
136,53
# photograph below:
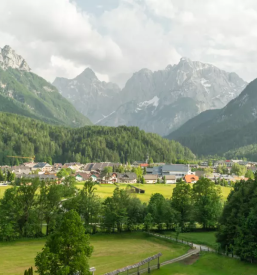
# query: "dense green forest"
238,223
27,94
23,136
249,152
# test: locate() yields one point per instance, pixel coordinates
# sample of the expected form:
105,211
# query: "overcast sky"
118,37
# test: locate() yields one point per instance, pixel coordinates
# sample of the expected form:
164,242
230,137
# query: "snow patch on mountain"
154,101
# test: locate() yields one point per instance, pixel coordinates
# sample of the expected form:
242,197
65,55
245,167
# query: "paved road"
196,248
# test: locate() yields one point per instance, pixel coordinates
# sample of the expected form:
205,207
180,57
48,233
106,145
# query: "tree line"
237,231
33,208
20,136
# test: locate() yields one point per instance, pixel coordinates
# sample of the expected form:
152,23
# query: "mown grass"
204,238
111,251
106,190
209,264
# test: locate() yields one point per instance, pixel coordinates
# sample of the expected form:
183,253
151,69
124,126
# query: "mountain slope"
226,129
23,92
162,101
27,137
92,97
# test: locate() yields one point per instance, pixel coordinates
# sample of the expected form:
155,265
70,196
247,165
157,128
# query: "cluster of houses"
157,173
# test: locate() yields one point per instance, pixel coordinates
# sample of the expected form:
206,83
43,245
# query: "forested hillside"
219,131
23,136
27,94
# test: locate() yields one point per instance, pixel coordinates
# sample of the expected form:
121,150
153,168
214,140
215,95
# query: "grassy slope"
106,190
204,238
210,264
30,95
110,252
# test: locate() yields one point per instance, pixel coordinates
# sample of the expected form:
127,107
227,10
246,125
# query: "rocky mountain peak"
10,59
87,74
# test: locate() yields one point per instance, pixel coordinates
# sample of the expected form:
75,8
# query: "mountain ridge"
226,129
25,93
155,95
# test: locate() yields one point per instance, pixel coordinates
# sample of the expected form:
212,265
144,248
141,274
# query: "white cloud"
43,29
59,39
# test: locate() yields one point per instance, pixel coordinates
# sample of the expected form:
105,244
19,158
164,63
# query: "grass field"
204,238
209,264
111,251
106,190
2,190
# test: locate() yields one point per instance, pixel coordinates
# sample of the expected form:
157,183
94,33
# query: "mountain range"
159,101
25,93
222,130
90,96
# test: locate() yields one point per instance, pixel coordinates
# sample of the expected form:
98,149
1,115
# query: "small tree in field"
67,250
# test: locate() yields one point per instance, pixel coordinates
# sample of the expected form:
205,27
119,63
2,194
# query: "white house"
170,179
150,178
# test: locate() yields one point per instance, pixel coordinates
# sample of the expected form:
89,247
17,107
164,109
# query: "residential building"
191,178
170,179
178,170
42,166
150,178
80,176
129,177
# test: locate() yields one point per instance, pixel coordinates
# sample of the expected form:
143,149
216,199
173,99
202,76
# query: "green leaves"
67,250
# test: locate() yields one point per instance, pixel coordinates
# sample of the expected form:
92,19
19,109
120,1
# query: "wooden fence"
144,266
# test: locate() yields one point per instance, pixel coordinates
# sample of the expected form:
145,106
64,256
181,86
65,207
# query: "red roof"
191,178
144,165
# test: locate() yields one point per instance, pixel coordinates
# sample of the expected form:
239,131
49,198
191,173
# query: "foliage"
222,169
150,161
238,223
22,136
67,250
208,171
249,174
107,170
29,271
34,97
207,203
182,203
23,209
239,170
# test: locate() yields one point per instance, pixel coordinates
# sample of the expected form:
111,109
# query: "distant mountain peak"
88,73
10,59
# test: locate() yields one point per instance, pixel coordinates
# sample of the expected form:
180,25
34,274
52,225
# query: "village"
224,172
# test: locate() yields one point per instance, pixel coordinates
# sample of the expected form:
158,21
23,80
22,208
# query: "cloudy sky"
118,37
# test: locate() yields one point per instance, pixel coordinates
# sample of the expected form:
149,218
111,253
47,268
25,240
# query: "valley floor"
111,251
106,190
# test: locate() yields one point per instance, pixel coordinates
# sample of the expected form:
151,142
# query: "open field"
111,251
2,190
204,238
209,264
106,190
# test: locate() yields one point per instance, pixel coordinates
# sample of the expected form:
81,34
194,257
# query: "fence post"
158,266
149,270
138,273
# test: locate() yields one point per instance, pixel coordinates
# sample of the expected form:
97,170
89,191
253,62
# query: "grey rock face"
9,59
162,101
94,98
